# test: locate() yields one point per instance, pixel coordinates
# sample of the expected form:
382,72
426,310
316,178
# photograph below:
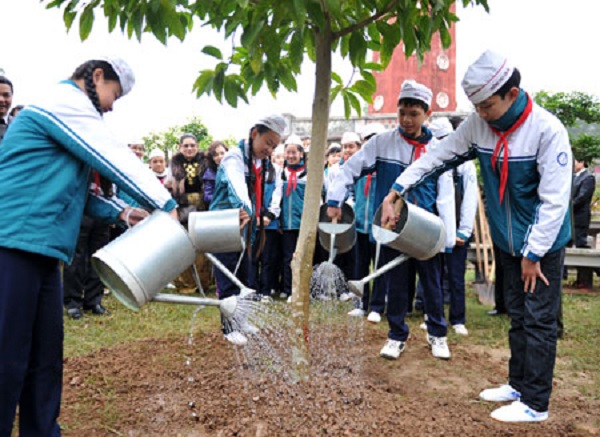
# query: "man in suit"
6,95
584,184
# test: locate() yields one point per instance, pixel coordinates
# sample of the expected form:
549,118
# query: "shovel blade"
486,293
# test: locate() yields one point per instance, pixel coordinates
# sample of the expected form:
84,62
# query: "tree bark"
303,256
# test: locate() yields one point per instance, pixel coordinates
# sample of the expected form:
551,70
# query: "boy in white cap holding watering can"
526,166
389,154
240,184
45,166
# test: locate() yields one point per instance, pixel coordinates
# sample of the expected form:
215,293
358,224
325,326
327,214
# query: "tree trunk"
303,256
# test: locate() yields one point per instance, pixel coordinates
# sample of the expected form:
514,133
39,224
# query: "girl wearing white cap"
294,185
240,184
158,164
389,153
526,166
45,165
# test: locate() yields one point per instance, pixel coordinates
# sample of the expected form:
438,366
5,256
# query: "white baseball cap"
411,89
350,137
276,123
372,129
155,153
293,139
440,127
123,71
486,75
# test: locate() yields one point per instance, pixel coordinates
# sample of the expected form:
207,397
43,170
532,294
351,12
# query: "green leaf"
231,92
334,93
86,21
212,51
204,82
355,103
309,43
334,7
336,78
364,88
358,49
219,81
68,18
251,32
287,79
445,37
375,66
347,104
300,11
296,50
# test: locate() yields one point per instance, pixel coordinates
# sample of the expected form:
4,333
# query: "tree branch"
342,32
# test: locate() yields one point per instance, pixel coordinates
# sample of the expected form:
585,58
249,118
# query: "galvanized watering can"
341,235
139,264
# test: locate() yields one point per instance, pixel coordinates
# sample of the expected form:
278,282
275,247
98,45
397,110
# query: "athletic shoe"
283,295
504,393
423,326
237,338
248,328
357,312
518,412
266,299
439,346
374,317
392,349
345,297
460,329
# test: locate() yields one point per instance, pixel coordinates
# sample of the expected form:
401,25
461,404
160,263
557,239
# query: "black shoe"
495,313
98,309
75,313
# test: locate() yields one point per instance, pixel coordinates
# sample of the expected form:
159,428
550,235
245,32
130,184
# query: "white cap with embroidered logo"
275,122
123,70
413,90
486,75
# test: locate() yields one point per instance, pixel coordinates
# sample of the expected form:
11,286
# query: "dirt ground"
203,386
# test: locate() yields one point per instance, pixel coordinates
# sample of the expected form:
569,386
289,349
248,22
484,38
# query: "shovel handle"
397,208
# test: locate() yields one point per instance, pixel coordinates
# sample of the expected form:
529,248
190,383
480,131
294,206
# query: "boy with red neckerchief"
526,166
389,154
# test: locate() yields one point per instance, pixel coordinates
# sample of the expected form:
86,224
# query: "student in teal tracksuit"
45,163
240,184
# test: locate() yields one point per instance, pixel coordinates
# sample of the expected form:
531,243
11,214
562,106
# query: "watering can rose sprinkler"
139,264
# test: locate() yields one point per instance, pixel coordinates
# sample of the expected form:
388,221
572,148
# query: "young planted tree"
270,39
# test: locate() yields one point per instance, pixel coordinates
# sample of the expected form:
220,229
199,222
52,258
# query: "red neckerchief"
257,188
368,184
419,147
97,183
293,179
503,143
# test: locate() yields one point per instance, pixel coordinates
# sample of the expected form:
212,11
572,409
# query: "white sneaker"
266,299
518,412
357,312
170,285
289,299
249,328
439,346
423,326
237,338
460,329
392,349
504,393
374,317
345,297
283,295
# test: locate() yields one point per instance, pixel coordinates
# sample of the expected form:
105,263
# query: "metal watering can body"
344,231
140,263
419,233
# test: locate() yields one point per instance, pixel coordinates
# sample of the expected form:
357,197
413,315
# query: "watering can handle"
334,220
397,208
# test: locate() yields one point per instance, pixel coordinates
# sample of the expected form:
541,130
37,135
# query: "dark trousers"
533,331
499,284
380,285
31,343
455,266
289,241
271,260
430,273
82,287
363,253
